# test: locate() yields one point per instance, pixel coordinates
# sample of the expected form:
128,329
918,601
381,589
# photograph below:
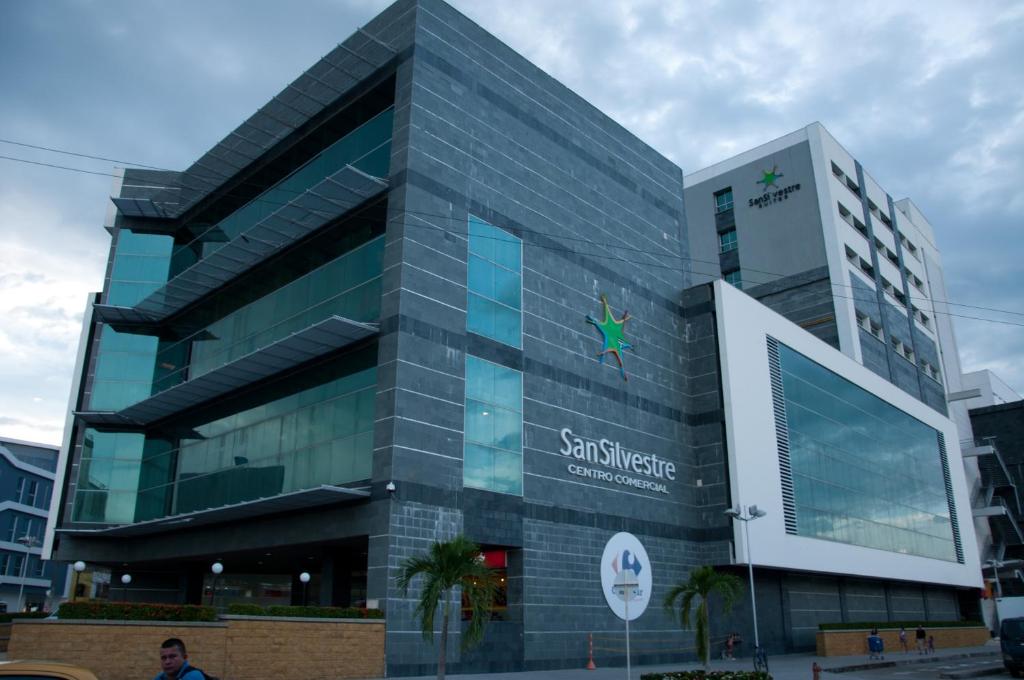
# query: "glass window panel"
493,427
481,276
508,472
508,429
508,288
479,422
508,325
480,315
478,467
494,282
481,238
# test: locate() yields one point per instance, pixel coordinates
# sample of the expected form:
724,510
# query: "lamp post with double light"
747,515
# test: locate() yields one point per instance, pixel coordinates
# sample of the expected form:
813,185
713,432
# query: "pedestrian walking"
921,638
876,645
903,639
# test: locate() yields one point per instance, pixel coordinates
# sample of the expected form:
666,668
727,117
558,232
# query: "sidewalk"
783,667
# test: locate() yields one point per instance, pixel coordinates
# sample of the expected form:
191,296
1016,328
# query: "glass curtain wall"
367,148
125,363
300,437
349,286
864,472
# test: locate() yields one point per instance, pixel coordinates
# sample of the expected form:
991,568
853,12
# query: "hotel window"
727,241
723,200
495,283
734,278
493,450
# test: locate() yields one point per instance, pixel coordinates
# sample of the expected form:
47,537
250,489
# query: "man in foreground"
174,662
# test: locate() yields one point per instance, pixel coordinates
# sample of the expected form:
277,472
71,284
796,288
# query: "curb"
974,673
908,662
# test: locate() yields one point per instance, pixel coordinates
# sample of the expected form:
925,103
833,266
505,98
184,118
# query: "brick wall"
238,648
854,642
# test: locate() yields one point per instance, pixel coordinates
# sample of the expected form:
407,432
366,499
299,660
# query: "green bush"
8,617
306,612
894,625
130,611
713,675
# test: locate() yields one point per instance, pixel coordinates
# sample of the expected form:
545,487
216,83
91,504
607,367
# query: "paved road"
909,670
790,667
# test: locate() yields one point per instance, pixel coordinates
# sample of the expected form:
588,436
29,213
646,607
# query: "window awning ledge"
315,341
324,494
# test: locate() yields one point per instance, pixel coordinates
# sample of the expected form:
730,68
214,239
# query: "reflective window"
141,263
734,278
319,432
494,307
348,286
367,148
727,241
493,453
125,364
723,200
864,472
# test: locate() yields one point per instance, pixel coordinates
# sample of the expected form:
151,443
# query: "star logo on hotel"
613,335
769,177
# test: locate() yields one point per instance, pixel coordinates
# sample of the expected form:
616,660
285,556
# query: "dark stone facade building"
370,319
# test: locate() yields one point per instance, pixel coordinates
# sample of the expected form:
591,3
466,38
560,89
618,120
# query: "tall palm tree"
703,581
451,564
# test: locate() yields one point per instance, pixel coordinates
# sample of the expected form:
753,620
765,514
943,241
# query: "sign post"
626,579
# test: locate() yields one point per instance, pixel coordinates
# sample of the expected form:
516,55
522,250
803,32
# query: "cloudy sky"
929,96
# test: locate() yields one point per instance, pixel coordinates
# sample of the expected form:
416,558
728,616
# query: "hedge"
10,616
713,675
892,625
305,612
129,611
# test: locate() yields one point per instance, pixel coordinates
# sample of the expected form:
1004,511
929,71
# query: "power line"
81,155
771,275
59,167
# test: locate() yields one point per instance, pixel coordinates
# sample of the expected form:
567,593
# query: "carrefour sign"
626,577
622,464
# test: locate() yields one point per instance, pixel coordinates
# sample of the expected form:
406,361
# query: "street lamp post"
217,568
79,567
29,542
746,515
304,577
125,580
995,564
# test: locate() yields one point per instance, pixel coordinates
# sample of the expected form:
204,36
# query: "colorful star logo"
768,177
612,332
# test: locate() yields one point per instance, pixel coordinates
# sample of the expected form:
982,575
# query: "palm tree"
451,564
703,581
